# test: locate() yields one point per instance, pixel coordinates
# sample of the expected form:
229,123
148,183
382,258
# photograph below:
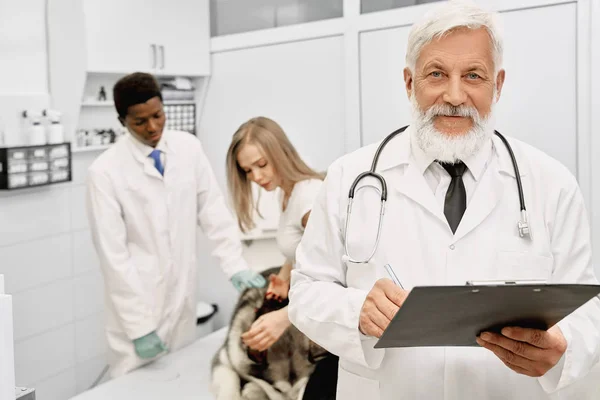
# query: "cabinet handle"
153,46
162,56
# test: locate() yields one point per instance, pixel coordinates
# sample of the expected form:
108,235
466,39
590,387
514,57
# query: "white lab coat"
328,292
144,228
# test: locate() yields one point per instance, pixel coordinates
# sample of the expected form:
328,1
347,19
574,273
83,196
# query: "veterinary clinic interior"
299,199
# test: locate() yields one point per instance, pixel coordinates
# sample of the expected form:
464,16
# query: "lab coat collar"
141,152
410,181
478,162
397,152
422,160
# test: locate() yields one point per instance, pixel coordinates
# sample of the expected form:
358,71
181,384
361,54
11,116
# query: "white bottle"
37,134
54,131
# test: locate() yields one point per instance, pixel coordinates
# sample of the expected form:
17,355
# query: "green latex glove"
248,279
149,346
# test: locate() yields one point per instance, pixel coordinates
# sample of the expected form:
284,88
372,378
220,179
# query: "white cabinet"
182,37
115,37
157,36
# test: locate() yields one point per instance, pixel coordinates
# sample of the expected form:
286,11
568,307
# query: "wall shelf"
88,149
95,103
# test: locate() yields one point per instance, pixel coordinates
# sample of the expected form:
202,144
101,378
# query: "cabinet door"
183,37
118,36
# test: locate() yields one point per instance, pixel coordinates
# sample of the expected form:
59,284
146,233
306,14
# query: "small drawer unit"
32,166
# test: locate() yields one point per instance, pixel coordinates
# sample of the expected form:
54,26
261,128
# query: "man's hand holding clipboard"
516,320
531,352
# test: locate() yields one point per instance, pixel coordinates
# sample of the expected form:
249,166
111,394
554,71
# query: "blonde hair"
268,136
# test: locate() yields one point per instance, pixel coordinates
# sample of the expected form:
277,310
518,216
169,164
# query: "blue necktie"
155,155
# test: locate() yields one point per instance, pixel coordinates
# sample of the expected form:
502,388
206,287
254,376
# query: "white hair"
451,15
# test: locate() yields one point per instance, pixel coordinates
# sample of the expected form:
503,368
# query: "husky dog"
280,373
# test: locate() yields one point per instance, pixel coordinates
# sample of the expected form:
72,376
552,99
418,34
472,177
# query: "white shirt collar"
144,150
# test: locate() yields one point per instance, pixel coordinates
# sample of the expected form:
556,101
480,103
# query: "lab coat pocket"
351,386
515,265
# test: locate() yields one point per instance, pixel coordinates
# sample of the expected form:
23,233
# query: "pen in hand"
392,275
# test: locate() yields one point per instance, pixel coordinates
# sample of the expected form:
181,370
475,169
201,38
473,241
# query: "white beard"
450,148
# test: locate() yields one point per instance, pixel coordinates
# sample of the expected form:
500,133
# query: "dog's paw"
253,391
282,386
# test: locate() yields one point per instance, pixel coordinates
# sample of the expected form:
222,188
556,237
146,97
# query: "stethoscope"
522,224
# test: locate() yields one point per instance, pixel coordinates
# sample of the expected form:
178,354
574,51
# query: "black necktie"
456,196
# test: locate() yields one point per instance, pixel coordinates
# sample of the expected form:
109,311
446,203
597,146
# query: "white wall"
23,66
53,275
23,37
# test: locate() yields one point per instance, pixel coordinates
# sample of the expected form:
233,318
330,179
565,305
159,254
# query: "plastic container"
37,134
205,323
56,132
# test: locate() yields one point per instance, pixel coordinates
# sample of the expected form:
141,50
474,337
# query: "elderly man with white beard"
450,217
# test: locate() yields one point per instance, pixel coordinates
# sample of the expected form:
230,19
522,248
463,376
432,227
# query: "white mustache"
448,110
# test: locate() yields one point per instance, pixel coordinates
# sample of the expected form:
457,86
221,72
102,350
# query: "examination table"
184,374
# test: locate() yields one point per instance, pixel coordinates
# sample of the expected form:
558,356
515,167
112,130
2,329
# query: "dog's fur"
285,371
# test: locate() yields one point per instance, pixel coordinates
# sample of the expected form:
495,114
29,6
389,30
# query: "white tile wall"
59,387
44,356
42,309
35,263
90,340
51,269
34,213
79,219
89,294
84,254
81,162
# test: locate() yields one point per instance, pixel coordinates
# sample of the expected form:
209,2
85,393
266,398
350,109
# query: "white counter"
184,374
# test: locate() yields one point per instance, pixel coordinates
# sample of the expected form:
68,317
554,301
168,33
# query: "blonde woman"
260,152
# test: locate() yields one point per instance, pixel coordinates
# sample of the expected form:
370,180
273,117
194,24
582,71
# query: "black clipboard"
456,315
